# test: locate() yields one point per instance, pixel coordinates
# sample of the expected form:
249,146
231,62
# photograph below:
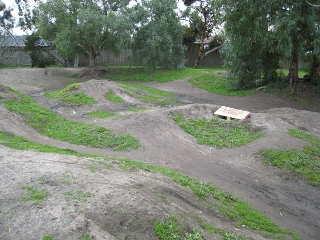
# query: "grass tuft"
112,97
101,114
34,195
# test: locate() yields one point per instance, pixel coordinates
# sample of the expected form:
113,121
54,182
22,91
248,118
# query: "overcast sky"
17,31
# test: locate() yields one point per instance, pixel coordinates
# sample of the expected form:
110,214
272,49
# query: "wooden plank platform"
232,113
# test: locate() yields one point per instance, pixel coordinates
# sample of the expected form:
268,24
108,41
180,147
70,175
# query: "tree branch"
212,50
311,4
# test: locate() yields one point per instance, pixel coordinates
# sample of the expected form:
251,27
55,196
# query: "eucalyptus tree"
6,24
87,26
203,18
259,35
158,35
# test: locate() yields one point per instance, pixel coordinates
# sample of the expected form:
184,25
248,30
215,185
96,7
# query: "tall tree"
259,34
84,26
157,40
202,20
6,24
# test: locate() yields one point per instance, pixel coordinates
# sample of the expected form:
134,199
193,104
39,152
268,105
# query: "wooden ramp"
231,113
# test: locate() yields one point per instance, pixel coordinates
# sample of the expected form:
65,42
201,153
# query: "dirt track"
288,201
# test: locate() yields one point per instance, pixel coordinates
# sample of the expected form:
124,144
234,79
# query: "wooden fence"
17,57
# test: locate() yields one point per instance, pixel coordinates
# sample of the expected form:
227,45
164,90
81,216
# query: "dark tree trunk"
200,53
293,69
92,57
315,67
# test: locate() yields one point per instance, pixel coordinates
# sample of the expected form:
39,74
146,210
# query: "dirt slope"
288,201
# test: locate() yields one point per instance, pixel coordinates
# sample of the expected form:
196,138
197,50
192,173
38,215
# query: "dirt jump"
89,200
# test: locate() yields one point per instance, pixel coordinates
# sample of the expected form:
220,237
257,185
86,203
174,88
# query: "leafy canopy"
84,26
157,40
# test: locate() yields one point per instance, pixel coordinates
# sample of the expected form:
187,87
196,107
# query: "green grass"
214,199
216,132
70,95
170,230
112,97
149,95
57,127
141,75
48,237
101,114
214,81
77,195
304,163
34,195
210,79
135,109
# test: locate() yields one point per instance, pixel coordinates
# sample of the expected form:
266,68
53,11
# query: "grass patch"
34,195
48,237
216,132
101,114
70,95
170,229
73,75
210,79
224,203
135,109
214,81
148,95
305,163
77,195
112,97
57,127
141,75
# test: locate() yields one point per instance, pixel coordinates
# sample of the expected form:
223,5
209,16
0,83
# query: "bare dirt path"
288,201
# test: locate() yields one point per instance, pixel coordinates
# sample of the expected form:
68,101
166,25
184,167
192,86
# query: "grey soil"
123,204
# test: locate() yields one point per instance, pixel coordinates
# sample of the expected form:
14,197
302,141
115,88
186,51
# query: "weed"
112,97
34,195
305,163
77,195
216,132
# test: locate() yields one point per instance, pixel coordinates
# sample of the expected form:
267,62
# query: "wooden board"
230,113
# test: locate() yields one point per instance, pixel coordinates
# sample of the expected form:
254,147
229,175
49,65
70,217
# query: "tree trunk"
200,53
293,69
315,67
92,57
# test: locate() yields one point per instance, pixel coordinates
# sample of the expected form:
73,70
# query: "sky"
18,31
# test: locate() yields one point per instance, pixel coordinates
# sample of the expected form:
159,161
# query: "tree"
260,34
157,40
84,26
6,24
202,20
36,46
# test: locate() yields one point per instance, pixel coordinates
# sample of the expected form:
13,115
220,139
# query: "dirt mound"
120,202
